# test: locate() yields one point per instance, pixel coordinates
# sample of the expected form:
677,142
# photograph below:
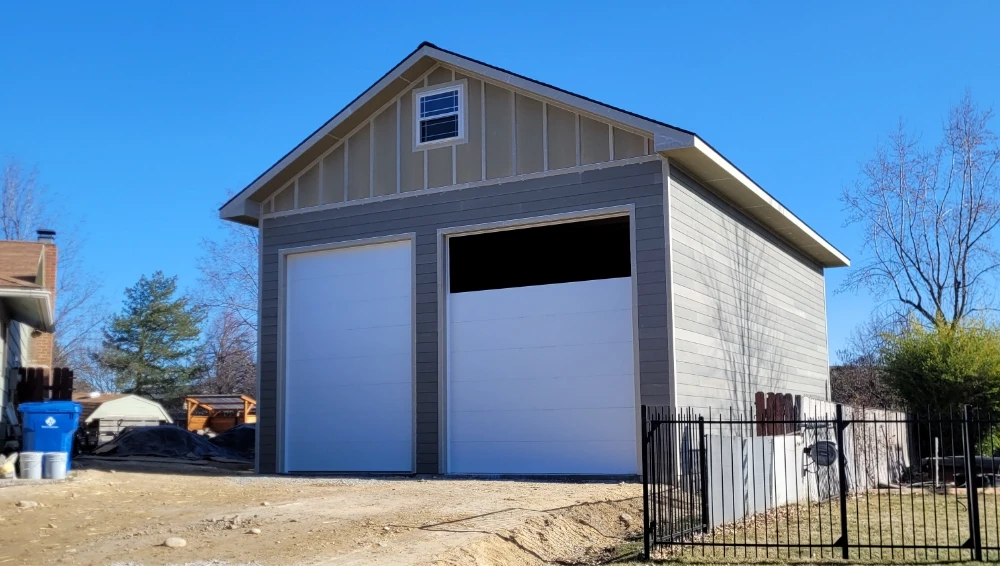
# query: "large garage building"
466,271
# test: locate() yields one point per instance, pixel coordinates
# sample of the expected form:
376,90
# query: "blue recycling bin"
49,426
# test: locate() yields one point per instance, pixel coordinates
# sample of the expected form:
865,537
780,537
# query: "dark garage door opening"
558,253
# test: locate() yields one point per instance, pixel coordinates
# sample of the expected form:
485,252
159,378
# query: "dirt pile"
580,534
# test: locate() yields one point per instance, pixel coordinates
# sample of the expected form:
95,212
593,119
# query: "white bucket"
55,465
31,465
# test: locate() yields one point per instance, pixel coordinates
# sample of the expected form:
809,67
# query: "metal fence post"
703,472
971,489
645,484
842,472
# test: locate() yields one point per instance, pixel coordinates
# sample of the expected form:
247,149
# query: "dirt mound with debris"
240,440
581,534
166,442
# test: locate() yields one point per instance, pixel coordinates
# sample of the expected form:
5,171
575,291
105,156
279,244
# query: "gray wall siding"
640,184
749,312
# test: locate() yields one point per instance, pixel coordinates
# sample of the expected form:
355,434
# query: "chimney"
42,345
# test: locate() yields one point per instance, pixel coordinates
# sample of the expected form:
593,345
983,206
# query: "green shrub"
945,367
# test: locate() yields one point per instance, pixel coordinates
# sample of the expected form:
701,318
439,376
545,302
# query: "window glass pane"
438,104
439,128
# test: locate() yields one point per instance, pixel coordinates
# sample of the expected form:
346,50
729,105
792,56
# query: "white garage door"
348,360
541,380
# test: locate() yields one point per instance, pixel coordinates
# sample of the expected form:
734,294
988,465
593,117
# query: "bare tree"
229,293
930,217
859,380
228,354
229,274
24,207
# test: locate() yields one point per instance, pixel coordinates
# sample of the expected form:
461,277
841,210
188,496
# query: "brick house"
27,313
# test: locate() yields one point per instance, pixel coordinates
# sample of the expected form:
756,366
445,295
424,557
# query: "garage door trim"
443,272
283,255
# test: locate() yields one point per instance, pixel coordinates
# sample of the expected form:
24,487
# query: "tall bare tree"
930,219
229,294
229,274
228,356
25,206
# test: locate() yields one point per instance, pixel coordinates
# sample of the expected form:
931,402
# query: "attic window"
439,116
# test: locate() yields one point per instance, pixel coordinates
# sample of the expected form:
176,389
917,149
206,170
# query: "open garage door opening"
541,363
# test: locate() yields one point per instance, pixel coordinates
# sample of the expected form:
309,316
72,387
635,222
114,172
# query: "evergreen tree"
150,346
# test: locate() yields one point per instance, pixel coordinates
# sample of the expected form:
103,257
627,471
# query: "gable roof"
680,146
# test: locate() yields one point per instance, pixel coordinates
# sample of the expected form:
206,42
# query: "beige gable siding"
749,312
507,133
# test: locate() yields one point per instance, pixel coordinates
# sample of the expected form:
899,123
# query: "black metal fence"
822,481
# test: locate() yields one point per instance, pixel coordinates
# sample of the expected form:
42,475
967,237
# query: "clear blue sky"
142,115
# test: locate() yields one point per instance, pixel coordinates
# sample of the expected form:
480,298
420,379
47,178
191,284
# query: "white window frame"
462,114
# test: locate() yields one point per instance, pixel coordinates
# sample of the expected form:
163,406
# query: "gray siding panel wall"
749,311
638,184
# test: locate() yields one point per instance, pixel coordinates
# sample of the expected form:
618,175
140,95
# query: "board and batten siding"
508,133
638,182
749,312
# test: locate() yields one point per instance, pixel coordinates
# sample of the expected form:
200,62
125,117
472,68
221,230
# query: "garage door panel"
601,327
581,457
542,300
354,370
549,425
541,379
364,456
348,360
359,342
375,285
567,392
354,314
617,358
371,259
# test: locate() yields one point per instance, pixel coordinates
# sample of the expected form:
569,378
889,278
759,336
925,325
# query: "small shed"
219,413
104,415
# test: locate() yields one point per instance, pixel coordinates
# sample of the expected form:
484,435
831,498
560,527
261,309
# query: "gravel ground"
123,516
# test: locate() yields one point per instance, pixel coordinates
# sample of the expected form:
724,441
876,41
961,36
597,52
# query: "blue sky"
142,115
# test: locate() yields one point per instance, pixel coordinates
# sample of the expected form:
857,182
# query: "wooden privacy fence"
38,384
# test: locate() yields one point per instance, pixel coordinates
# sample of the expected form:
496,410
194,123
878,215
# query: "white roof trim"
38,300
794,230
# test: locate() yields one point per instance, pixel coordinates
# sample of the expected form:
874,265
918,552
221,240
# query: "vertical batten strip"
295,196
321,190
426,183
513,132
545,136
482,127
611,143
399,158
347,148
371,156
578,141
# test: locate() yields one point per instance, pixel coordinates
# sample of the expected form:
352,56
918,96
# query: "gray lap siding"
638,184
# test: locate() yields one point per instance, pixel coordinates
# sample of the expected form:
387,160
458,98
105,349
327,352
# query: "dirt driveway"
123,517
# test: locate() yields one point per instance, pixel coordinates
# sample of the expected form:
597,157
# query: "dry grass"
884,517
